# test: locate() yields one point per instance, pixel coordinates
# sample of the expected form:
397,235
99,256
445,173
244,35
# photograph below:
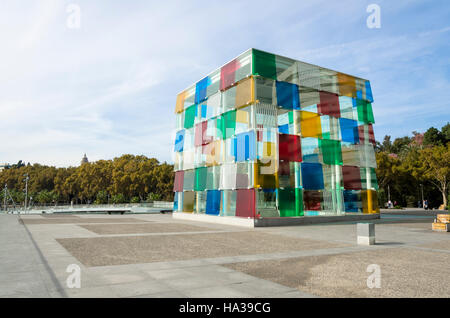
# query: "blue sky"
110,86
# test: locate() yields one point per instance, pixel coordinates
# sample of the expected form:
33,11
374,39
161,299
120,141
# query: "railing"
154,204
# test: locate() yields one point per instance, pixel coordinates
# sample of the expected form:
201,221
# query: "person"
425,204
389,204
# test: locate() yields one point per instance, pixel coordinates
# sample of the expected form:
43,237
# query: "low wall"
265,222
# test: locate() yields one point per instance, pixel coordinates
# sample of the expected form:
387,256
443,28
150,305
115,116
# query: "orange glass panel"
244,92
179,107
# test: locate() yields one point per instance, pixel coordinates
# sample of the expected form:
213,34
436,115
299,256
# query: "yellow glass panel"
370,201
307,115
310,124
179,107
347,85
244,95
242,117
265,171
213,153
269,149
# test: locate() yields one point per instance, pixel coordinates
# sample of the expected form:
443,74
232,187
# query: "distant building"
84,160
5,166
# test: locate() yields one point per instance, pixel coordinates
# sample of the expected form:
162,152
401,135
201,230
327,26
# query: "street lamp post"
421,187
26,189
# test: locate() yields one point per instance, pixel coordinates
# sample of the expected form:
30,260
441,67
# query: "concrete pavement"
156,256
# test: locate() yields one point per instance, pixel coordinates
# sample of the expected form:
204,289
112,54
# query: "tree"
435,165
446,133
433,137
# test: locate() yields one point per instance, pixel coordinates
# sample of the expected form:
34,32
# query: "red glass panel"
290,148
329,104
312,200
178,183
245,203
228,74
352,177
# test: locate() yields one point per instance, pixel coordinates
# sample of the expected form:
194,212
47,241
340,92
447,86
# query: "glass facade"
267,136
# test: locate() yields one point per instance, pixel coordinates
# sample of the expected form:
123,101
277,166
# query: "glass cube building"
266,136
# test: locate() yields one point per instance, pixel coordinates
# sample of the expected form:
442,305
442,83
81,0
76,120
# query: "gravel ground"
102,251
404,273
78,220
143,228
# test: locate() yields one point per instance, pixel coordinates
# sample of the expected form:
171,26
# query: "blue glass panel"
349,130
359,94
312,176
200,90
204,110
283,129
213,202
245,144
352,200
175,202
287,95
369,95
179,141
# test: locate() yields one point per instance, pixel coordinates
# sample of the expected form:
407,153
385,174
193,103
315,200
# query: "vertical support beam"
338,189
369,192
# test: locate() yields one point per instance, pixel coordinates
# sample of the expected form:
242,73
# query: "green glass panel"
200,179
264,64
331,151
290,202
373,178
365,112
189,116
226,124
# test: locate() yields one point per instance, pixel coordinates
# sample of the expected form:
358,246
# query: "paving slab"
23,270
69,220
109,229
404,273
100,251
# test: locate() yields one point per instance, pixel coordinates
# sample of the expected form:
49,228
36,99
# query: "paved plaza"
152,255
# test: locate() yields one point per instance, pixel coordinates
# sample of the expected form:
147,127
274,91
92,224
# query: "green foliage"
446,133
408,168
153,197
433,137
118,198
46,197
102,197
125,177
135,200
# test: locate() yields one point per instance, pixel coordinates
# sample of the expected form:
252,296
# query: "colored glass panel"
349,130
310,124
312,176
228,74
264,64
179,107
189,116
179,180
287,95
245,145
213,202
245,203
329,104
331,151
226,124
179,141
200,178
352,177
200,90
290,202
290,148
312,200
188,201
